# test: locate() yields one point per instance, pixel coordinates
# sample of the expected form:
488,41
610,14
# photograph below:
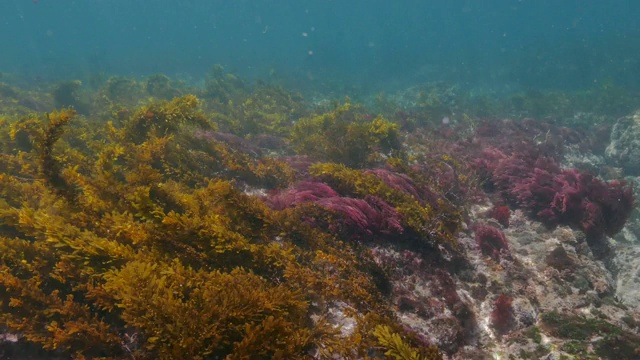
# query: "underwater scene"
319,179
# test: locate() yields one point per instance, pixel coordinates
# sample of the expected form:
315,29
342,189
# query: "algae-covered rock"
624,149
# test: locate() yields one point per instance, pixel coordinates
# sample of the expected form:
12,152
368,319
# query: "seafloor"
153,219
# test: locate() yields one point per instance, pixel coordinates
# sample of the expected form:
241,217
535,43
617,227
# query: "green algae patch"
591,336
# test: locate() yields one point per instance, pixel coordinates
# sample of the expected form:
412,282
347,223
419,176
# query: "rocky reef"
150,219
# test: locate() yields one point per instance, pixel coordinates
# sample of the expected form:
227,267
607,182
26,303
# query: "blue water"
373,44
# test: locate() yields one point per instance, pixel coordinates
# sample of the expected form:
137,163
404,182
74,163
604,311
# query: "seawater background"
376,44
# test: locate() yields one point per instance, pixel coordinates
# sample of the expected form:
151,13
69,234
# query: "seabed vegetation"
148,219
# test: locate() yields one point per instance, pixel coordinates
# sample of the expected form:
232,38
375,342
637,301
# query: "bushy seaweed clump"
430,218
251,111
398,349
132,239
491,240
528,175
356,218
347,135
502,315
501,213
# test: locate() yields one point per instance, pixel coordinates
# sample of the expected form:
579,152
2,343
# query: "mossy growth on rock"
587,337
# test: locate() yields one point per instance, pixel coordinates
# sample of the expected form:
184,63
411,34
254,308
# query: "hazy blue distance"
374,43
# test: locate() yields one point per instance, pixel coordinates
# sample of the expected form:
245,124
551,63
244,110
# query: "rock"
624,149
